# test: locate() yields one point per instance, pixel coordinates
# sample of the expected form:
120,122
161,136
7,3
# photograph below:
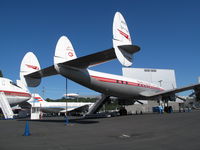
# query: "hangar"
162,77
165,78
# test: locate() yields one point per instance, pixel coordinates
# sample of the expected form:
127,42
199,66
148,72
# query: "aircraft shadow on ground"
74,121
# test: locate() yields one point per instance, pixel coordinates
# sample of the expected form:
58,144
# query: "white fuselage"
109,84
56,107
13,92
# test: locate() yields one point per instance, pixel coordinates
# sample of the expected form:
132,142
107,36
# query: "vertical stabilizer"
64,51
29,65
121,37
38,98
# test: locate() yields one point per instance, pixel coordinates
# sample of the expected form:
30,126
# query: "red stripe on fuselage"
103,79
13,93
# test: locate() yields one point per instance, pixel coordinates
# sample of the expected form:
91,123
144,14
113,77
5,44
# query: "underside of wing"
171,92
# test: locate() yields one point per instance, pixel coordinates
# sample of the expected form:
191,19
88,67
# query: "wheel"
123,111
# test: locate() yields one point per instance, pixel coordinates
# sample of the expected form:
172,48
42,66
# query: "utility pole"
66,98
43,91
66,89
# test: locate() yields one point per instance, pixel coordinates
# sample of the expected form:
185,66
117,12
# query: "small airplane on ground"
68,65
71,95
57,107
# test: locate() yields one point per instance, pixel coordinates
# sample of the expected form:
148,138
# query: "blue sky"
167,31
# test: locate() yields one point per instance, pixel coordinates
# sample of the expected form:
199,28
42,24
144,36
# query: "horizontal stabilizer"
91,60
43,73
99,57
85,61
131,49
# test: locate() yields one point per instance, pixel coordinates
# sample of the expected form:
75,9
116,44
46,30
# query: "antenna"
66,98
160,81
43,91
66,89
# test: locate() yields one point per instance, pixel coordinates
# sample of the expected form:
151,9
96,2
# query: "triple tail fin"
29,65
122,41
30,72
38,98
121,35
64,50
65,55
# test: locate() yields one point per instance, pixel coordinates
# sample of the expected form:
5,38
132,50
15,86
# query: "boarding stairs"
5,107
97,105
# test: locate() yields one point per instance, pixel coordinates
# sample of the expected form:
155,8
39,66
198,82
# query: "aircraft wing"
172,91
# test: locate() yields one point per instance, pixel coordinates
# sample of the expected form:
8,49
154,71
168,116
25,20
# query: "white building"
162,77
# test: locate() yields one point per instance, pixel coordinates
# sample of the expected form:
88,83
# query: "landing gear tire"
168,109
123,111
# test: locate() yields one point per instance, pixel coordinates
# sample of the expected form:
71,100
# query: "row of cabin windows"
125,82
121,82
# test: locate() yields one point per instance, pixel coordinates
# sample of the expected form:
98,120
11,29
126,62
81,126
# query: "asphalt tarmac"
177,131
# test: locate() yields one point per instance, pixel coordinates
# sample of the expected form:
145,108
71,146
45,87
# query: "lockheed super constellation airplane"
14,93
68,65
